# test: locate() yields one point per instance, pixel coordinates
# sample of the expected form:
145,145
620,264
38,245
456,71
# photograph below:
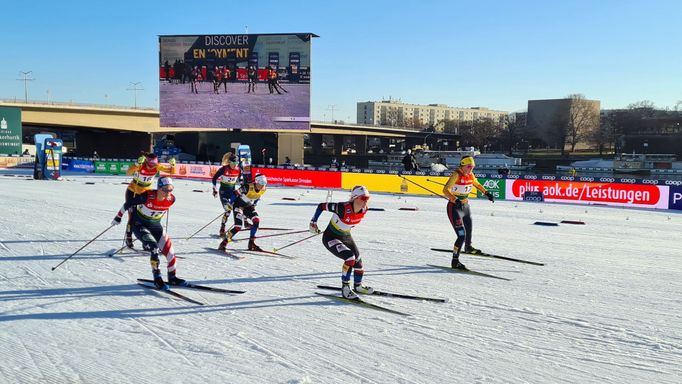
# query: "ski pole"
272,235
422,187
81,248
295,242
209,223
434,181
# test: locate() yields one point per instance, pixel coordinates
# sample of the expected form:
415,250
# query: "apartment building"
395,113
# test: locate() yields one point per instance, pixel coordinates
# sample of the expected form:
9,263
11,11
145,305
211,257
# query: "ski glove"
172,162
140,160
215,192
313,228
489,196
116,220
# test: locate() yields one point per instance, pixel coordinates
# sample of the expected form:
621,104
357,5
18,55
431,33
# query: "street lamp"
135,89
25,80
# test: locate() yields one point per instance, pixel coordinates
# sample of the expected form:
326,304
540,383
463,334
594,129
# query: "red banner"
617,194
294,177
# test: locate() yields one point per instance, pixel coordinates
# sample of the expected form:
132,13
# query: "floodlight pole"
135,89
25,80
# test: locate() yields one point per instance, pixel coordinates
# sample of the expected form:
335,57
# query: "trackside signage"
632,195
675,198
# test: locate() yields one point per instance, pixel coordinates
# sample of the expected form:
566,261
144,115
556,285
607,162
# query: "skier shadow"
426,269
59,257
75,241
297,204
288,278
65,295
317,275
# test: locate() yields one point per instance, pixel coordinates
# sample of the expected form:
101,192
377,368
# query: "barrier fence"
612,191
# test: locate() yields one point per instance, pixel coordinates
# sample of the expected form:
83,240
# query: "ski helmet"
359,191
164,181
466,160
261,179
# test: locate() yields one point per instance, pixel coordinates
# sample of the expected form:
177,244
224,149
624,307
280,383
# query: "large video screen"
235,81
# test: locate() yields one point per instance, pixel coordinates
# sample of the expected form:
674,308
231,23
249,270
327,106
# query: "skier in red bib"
150,207
143,173
337,238
457,190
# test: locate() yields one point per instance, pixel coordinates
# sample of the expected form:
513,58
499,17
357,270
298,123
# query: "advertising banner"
15,161
675,199
392,183
77,165
632,195
10,131
217,81
195,171
301,178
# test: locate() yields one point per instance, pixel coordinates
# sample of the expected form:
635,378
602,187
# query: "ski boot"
129,241
226,240
359,288
456,264
348,293
158,281
222,233
253,246
472,251
174,280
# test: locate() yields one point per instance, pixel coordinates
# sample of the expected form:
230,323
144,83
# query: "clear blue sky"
496,54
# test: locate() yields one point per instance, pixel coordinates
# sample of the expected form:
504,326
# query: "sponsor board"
633,195
301,178
18,162
397,184
675,198
76,165
536,196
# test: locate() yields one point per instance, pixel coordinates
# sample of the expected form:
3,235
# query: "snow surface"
606,307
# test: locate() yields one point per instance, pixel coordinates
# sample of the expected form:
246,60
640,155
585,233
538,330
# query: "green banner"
10,131
494,186
111,167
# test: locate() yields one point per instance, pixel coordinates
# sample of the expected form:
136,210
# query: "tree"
512,130
391,117
559,130
575,123
603,136
583,120
480,133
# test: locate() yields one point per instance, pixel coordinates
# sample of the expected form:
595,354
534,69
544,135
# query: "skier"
143,173
229,175
150,207
337,238
245,199
457,190
252,78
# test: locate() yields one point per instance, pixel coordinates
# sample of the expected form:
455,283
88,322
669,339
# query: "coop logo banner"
675,199
235,81
637,195
10,131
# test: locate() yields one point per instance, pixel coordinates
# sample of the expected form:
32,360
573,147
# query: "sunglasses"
167,189
363,198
